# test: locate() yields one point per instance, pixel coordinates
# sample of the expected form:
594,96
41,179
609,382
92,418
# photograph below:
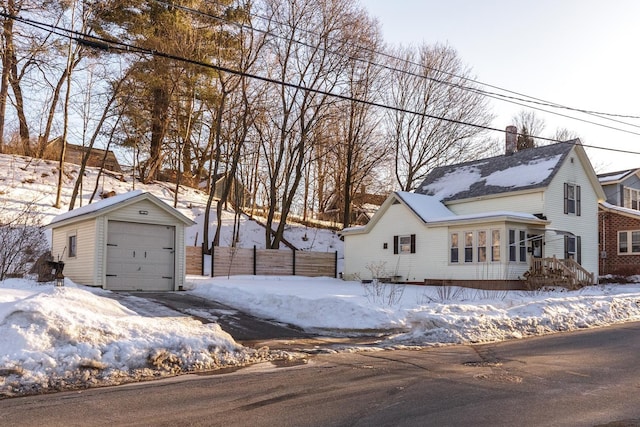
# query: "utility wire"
494,95
100,43
387,55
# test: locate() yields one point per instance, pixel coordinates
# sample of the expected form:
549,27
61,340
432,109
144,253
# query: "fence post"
335,265
294,261
255,252
202,253
212,256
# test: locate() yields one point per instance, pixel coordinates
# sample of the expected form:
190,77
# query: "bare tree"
427,84
529,126
360,150
306,55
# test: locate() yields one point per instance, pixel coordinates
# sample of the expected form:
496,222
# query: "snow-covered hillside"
27,181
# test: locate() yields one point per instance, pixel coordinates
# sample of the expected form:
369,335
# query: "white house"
483,223
133,241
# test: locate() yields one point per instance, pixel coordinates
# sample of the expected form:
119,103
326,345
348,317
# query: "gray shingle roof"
614,177
527,169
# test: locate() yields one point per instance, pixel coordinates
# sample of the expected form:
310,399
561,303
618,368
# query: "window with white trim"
517,245
629,242
631,197
571,199
495,245
468,246
454,248
523,246
573,248
72,246
404,244
570,247
478,246
482,246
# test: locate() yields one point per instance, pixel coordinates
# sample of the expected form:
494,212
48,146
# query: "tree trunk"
159,123
8,54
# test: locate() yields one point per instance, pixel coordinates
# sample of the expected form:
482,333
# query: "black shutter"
579,249
566,198
413,243
566,247
395,244
578,200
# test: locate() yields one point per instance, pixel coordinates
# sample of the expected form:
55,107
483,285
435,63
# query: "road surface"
584,378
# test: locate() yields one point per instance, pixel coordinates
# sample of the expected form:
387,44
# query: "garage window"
72,246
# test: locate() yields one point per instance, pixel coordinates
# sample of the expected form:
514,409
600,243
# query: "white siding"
81,267
585,225
431,260
532,203
366,251
131,213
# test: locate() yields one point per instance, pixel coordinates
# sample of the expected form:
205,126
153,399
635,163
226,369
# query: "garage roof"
105,206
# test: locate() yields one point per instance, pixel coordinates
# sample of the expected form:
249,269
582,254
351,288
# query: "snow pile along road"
53,338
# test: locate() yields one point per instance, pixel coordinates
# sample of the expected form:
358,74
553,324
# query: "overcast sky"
582,54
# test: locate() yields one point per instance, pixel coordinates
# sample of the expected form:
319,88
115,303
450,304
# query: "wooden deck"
557,272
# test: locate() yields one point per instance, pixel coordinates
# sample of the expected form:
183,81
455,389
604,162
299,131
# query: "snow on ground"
422,315
33,182
54,338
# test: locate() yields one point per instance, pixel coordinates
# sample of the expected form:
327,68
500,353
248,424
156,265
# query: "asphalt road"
584,378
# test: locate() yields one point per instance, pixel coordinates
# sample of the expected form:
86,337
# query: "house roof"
616,177
427,208
432,211
523,170
631,213
112,203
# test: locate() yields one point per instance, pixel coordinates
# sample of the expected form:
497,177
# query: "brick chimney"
511,140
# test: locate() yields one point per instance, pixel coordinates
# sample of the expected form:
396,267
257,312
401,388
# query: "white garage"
132,241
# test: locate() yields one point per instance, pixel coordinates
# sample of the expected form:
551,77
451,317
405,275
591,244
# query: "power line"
494,95
100,43
531,99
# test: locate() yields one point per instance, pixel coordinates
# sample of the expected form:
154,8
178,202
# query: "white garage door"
140,256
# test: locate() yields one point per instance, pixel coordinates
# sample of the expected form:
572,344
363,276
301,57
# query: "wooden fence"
266,262
194,260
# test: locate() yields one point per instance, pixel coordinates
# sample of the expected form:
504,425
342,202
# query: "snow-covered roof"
426,207
96,206
433,212
485,216
627,211
105,205
614,177
523,170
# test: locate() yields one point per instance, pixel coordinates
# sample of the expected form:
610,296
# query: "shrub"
22,242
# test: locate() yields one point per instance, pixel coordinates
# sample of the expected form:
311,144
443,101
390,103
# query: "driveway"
246,329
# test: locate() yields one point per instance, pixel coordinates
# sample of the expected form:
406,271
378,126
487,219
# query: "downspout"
604,244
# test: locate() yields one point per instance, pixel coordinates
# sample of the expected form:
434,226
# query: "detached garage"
132,242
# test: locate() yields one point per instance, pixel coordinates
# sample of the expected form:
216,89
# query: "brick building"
619,240
619,223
